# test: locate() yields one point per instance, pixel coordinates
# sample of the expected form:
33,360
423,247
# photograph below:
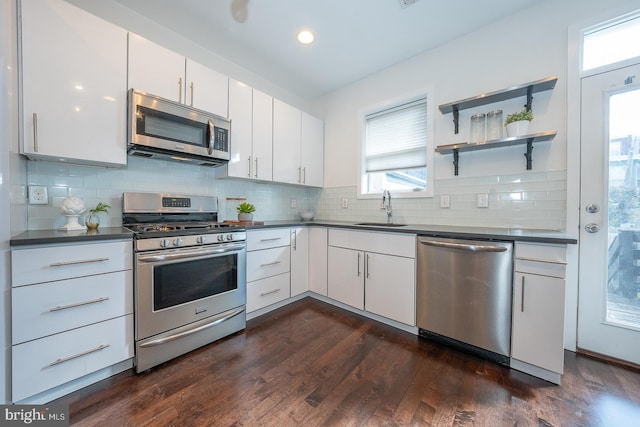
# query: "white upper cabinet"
251,114
159,71
74,69
312,150
298,146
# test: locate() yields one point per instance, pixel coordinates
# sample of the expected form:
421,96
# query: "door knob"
592,228
592,208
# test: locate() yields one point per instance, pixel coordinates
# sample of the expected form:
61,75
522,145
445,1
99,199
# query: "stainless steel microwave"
163,129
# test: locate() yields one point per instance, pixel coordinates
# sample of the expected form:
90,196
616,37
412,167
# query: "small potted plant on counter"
517,124
93,219
245,211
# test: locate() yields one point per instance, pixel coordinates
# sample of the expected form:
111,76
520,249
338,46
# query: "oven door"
182,286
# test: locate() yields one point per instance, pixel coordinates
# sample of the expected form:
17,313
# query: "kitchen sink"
380,224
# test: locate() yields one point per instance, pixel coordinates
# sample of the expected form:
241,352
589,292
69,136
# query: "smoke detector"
406,3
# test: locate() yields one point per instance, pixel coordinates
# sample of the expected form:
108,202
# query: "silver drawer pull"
78,304
273,239
547,261
270,263
75,356
270,292
84,261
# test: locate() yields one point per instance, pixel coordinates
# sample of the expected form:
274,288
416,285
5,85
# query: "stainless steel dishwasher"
464,294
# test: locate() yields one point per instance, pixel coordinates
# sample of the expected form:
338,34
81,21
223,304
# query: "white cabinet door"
318,260
538,316
390,287
346,276
207,89
299,260
312,151
155,69
74,68
262,136
240,113
286,143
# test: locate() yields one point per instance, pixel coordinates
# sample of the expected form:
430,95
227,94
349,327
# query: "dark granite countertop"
41,237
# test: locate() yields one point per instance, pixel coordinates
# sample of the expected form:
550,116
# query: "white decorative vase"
245,217
519,128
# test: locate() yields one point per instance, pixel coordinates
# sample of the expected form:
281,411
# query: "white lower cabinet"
373,272
318,260
71,313
537,339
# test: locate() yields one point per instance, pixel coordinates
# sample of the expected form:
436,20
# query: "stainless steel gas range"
190,280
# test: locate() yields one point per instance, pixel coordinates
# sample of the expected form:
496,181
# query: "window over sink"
394,154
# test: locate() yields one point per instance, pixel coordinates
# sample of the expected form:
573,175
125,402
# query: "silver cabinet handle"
273,239
366,266
270,263
222,317
464,247
256,171
84,261
592,228
547,261
295,240
269,292
299,174
249,169
35,132
304,175
180,90
359,254
78,304
75,356
522,297
191,88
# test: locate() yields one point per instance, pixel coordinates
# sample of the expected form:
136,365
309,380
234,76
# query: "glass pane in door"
623,284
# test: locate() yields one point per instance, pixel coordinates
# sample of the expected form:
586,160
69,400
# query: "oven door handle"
222,317
190,254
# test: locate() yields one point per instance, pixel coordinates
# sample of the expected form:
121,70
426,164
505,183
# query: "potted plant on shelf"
93,219
245,211
517,124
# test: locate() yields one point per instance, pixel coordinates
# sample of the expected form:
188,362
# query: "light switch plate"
38,195
444,201
483,200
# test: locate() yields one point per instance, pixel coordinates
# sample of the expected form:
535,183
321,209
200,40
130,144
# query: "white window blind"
396,138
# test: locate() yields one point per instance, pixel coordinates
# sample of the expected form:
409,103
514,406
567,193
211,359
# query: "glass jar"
477,128
494,125
92,221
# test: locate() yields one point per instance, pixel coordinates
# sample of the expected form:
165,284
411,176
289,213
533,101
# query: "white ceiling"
354,38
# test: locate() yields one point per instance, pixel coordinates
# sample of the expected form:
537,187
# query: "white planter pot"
248,217
518,128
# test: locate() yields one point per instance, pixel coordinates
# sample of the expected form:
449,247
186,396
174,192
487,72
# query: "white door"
609,301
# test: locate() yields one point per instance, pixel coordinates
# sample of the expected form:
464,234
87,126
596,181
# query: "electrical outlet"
294,203
38,195
345,203
483,200
444,201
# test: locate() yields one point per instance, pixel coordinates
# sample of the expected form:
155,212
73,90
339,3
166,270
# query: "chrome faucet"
386,204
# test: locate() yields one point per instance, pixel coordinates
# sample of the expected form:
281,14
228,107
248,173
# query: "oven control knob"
201,239
220,238
229,236
177,242
164,243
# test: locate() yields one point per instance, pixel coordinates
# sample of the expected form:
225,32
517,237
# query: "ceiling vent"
406,3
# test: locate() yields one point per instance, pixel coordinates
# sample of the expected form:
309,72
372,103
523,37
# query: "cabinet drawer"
49,263
541,259
49,308
48,362
383,243
262,293
269,238
267,263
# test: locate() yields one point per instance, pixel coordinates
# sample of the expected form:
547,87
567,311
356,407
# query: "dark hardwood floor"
312,364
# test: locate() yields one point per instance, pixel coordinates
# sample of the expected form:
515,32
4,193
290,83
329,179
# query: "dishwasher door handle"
463,246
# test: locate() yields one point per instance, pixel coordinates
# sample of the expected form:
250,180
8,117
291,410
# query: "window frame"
384,105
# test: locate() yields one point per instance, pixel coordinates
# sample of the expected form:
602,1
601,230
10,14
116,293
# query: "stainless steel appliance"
464,294
190,274
163,129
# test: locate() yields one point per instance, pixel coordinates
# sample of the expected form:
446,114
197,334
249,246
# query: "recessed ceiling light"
306,37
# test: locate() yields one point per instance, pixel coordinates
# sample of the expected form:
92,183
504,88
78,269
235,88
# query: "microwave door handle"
210,130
